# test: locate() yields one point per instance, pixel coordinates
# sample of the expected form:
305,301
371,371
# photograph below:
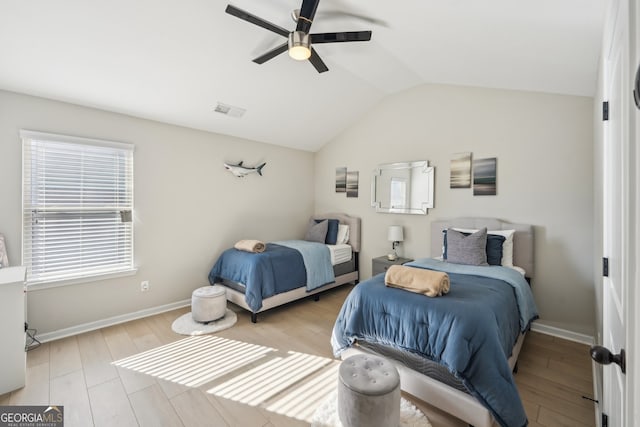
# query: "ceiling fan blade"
271,54
317,62
246,16
345,36
332,14
307,13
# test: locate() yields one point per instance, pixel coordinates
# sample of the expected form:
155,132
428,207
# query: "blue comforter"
280,268
471,330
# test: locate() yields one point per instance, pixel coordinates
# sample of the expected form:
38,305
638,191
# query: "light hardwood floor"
271,374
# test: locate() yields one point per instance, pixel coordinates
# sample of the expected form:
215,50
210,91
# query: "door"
616,207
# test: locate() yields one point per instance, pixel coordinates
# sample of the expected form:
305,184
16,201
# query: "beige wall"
187,207
544,147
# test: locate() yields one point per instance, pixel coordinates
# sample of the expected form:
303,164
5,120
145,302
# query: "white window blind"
77,207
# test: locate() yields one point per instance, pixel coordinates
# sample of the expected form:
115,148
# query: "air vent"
229,110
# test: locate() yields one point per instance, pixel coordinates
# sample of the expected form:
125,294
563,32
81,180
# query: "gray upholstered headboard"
352,221
522,239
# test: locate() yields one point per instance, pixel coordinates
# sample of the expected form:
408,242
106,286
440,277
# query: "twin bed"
455,352
288,270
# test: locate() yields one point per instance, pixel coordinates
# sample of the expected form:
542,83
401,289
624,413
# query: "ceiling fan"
299,41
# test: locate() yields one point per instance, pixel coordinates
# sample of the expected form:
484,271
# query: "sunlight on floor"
195,361
301,402
268,379
292,384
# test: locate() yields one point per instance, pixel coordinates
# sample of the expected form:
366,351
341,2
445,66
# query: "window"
398,193
77,207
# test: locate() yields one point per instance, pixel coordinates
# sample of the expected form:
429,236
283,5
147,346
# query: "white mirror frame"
427,193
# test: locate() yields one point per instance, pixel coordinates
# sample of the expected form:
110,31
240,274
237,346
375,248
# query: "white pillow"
507,246
343,234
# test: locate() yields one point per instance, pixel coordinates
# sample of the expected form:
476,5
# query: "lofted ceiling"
174,61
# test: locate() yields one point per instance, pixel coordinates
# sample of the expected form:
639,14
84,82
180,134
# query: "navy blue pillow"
332,231
494,247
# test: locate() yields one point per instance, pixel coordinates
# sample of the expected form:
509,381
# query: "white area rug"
327,414
185,325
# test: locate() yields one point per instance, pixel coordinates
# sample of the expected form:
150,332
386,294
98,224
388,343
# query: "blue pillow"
494,248
332,231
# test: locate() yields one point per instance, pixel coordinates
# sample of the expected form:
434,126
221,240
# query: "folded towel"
255,246
419,280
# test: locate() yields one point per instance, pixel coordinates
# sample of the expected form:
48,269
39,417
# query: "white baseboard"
98,324
562,333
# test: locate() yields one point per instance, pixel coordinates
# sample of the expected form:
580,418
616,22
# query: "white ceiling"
172,61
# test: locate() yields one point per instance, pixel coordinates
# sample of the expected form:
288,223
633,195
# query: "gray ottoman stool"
368,392
208,303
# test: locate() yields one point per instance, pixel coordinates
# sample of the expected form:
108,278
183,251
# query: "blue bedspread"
317,262
278,269
471,330
524,298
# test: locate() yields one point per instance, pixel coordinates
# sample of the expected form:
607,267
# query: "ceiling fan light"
299,45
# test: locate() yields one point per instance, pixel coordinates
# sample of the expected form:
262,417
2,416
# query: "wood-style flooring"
271,374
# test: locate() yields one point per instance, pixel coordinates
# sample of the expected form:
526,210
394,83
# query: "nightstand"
382,263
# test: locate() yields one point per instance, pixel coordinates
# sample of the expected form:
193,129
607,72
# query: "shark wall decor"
241,171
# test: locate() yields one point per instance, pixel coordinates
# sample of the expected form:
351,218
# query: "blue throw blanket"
471,330
317,262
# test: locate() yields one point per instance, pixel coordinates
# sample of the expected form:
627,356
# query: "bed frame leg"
316,297
254,317
515,368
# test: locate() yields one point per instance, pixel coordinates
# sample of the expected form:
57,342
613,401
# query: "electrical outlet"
144,286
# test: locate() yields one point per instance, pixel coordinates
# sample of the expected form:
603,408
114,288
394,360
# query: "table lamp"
395,236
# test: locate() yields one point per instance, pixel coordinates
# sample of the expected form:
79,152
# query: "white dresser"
12,335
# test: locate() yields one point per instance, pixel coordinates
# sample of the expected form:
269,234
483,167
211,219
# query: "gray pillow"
463,249
317,232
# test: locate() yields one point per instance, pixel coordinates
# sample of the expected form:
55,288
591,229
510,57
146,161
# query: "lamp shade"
395,233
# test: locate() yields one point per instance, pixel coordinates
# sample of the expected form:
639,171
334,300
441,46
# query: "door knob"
603,356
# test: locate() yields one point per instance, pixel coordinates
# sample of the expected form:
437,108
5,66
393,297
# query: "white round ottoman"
208,303
368,392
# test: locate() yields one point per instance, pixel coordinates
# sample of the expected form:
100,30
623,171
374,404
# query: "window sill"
36,286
